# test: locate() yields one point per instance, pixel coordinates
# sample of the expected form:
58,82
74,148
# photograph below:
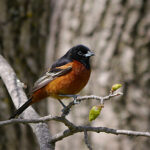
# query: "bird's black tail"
22,108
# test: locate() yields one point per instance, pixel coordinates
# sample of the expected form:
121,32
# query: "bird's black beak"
89,54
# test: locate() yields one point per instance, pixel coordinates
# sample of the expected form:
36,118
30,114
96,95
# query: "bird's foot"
74,97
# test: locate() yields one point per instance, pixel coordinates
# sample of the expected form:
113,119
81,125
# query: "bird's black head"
80,53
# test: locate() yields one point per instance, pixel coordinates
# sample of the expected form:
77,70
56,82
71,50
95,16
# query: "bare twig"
86,140
81,98
18,97
92,97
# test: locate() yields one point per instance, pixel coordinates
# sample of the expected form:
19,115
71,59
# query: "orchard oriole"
66,77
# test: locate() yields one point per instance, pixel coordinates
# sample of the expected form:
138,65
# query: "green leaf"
95,112
116,87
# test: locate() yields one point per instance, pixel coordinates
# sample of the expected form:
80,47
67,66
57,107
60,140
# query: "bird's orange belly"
71,83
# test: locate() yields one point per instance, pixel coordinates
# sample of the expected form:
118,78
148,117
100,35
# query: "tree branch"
74,129
86,140
18,97
68,132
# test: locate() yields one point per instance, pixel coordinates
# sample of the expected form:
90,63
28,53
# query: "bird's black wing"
50,76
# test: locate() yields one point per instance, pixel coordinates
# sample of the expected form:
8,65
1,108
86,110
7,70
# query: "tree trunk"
23,33
118,32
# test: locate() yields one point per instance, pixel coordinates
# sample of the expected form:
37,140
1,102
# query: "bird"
65,78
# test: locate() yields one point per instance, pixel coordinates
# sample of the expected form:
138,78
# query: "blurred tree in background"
23,33
117,31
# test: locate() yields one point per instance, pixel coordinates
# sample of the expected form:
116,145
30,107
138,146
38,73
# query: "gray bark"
18,96
23,33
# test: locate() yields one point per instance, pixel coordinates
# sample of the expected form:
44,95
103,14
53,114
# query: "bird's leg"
74,97
65,110
62,103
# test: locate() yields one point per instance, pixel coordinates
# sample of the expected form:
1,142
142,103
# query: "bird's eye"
80,53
